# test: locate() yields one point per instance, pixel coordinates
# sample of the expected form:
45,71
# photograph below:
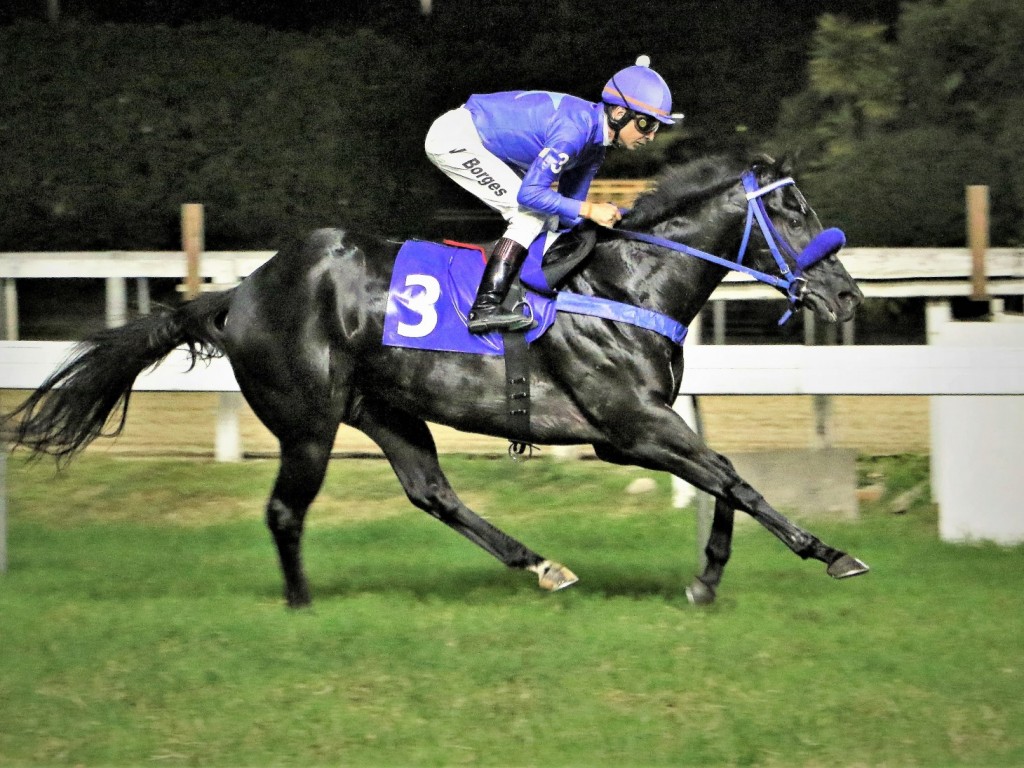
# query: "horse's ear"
788,163
768,168
764,167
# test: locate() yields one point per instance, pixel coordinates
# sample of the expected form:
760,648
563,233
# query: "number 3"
422,303
554,160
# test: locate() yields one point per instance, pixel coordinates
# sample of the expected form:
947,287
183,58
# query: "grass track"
141,624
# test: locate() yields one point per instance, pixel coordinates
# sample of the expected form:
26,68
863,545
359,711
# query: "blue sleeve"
564,143
536,191
575,183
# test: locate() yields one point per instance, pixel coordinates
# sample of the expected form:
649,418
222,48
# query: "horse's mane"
678,186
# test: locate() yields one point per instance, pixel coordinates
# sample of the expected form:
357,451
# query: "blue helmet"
640,89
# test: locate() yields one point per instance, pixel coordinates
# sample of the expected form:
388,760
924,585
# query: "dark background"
284,116
252,107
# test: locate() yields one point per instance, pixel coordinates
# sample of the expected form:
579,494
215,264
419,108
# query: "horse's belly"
467,392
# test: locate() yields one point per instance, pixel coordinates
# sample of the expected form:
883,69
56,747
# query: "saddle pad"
432,290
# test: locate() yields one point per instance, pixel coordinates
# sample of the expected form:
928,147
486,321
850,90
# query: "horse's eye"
796,222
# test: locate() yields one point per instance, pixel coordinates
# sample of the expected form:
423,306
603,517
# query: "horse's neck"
655,278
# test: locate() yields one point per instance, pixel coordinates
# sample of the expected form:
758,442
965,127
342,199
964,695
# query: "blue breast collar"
577,304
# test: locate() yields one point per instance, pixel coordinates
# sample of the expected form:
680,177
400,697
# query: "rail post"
192,244
9,303
117,301
228,440
977,238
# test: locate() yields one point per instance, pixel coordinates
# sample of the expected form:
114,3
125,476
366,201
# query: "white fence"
974,371
881,272
968,374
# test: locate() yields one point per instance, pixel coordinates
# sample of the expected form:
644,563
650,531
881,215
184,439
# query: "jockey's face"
630,136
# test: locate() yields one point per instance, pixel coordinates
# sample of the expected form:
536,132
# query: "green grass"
141,624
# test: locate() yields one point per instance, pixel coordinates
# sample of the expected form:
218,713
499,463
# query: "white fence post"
9,300
975,463
117,302
142,291
936,314
718,321
228,443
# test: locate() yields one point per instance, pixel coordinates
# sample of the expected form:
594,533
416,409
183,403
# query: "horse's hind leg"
409,446
302,470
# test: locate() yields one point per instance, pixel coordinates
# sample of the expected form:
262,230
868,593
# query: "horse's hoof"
299,598
554,576
847,566
699,593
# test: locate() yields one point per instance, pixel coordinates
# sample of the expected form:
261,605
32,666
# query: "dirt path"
183,424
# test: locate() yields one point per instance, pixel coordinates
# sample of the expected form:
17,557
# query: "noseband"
790,281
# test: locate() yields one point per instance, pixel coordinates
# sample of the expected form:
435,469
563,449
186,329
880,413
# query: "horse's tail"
75,404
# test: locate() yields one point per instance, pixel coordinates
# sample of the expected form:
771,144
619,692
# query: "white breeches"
454,146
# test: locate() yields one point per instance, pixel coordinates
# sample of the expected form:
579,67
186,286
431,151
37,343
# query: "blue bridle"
790,281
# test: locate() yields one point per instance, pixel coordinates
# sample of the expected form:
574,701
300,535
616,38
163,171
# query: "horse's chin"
824,309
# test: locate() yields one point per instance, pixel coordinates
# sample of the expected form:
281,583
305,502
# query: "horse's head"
784,237
748,217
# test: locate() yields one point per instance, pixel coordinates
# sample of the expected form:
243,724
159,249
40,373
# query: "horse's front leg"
660,439
716,554
840,565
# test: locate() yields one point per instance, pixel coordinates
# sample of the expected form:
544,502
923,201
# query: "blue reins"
790,281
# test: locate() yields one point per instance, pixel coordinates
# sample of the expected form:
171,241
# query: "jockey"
509,149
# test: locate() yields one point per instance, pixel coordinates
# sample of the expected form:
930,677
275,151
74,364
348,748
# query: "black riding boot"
502,267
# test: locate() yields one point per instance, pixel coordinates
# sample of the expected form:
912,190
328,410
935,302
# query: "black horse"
303,334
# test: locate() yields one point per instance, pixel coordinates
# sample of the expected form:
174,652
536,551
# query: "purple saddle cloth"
432,291
433,287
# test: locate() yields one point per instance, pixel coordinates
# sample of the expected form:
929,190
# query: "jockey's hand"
603,214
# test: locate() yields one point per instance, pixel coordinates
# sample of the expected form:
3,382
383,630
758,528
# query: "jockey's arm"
575,184
569,201
536,191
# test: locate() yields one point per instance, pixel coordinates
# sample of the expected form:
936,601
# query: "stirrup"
485,322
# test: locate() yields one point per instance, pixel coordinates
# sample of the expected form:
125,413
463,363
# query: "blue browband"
823,245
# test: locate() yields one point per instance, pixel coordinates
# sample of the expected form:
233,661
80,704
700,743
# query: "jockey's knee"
524,227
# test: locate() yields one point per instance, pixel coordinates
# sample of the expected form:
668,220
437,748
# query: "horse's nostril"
850,299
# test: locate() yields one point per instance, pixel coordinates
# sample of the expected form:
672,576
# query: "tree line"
895,122
108,128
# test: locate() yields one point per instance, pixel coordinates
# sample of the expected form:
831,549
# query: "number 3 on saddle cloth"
433,286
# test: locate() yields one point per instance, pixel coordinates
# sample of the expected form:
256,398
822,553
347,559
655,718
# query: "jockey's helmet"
640,90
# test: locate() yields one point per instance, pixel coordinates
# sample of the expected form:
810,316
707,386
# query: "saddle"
546,270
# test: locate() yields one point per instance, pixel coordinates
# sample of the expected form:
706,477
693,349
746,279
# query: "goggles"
645,123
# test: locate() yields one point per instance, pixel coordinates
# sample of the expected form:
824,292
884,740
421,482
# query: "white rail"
710,370
1004,267
734,370
964,363
881,272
